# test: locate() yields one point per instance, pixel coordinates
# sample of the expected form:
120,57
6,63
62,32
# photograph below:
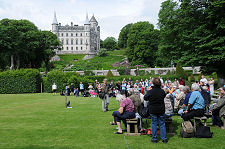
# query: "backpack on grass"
187,130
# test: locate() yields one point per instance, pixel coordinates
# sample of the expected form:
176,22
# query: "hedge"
62,79
20,81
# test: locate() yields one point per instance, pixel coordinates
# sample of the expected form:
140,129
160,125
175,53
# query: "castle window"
86,34
76,34
81,41
71,48
62,48
62,34
76,41
66,34
80,34
71,41
62,41
71,34
76,48
67,41
81,48
67,48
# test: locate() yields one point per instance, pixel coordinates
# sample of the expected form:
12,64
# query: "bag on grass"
203,132
143,111
187,130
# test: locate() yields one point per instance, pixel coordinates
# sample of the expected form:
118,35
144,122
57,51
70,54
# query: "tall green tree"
123,36
142,44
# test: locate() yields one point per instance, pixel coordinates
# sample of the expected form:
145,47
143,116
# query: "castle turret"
93,21
55,24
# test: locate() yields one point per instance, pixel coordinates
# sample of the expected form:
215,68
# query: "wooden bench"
204,119
132,124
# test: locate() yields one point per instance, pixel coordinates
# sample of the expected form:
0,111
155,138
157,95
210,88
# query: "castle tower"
87,40
55,25
93,21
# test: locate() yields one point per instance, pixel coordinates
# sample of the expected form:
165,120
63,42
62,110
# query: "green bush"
109,74
89,73
20,81
180,72
59,77
121,71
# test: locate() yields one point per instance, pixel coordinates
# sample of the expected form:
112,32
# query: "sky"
111,15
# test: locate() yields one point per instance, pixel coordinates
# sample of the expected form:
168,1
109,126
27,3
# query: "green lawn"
41,121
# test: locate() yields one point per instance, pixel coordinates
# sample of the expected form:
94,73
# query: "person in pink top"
126,111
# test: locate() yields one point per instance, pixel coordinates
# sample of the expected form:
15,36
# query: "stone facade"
78,39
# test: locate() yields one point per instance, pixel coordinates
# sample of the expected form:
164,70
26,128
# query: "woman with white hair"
179,97
195,104
126,111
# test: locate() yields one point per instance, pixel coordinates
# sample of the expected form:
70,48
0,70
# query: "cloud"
111,15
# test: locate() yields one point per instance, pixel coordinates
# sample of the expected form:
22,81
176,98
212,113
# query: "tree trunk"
18,62
12,62
221,79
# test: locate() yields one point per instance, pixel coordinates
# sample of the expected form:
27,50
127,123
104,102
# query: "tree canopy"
192,33
110,44
123,36
25,45
142,44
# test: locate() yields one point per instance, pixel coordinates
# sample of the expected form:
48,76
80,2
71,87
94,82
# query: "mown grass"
95,63
41,121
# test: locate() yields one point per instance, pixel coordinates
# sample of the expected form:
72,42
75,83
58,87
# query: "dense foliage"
193,33
123,36
22,45
110,44
20,81
142,44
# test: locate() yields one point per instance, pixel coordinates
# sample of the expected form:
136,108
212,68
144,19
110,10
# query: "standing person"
211,85
81,88
156,96
204,80
124,85
54,89
105,99
72,88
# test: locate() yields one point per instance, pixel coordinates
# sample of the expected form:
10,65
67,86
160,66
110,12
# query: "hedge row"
20,81
62,79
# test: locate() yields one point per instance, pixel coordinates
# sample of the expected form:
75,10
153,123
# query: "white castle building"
78,39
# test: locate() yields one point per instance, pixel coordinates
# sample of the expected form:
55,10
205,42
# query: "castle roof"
55,19
93,19
87,20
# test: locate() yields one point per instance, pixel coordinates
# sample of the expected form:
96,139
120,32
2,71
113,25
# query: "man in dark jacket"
156,96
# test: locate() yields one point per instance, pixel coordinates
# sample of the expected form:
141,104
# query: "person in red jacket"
181,81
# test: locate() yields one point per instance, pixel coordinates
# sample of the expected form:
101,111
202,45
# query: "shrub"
102,53
180,72
20,81
89,73
109,74
121,71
